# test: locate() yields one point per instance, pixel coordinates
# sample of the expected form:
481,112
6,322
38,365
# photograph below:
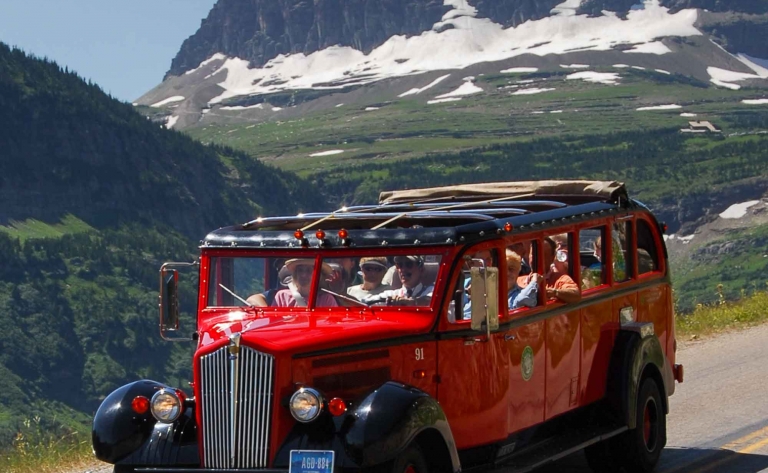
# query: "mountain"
93,198
252,53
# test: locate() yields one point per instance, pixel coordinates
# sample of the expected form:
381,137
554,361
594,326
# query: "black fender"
121,436
377,429
637,354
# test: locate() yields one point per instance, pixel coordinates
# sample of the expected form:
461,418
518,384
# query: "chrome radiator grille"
236,391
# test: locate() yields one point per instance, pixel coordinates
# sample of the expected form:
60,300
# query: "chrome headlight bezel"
166,406
313,405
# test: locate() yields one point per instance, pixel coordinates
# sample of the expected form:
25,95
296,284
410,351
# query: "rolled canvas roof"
599,190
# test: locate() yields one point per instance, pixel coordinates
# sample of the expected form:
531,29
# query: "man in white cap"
412,292
373,268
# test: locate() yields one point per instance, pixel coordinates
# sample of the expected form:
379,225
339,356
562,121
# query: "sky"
125,46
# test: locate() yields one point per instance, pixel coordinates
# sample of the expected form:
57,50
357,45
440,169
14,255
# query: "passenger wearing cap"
373,269
296,295
410,270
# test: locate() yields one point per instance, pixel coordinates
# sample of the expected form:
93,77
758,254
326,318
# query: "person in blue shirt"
517,296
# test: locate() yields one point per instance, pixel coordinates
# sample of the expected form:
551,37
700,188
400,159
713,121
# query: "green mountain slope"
93,198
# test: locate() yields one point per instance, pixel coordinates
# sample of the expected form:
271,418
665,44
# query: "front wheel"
410,461
643,444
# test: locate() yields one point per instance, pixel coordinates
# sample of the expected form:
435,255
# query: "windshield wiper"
350,299
236,296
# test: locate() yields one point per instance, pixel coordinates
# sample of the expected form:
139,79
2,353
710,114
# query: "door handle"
509,337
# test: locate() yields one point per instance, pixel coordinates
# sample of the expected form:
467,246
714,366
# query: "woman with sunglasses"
373,269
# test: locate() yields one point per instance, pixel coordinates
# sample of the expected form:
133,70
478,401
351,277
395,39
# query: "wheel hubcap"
650,425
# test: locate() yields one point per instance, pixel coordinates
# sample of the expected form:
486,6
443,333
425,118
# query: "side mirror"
169,303
169,300
485,298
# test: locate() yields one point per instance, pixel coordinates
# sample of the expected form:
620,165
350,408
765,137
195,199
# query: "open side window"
621,251
520,263
592,257
479,256
647,250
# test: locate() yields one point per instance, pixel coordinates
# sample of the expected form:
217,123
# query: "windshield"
349,281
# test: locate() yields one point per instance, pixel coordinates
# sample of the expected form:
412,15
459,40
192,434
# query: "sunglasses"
373,268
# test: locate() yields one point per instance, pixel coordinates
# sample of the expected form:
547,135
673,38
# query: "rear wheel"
642,445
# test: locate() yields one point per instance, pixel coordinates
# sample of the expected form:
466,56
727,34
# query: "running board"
550,451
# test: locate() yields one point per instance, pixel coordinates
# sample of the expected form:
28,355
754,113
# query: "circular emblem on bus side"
526,364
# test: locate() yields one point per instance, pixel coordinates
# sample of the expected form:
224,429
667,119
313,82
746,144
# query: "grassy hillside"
409,127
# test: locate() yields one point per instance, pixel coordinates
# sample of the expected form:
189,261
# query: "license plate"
311,461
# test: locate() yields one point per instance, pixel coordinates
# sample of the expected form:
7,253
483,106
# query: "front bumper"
202,470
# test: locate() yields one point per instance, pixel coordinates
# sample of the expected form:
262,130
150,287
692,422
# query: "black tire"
642,445
604,457
410,461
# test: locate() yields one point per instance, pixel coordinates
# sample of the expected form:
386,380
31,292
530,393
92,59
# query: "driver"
410,270
296,295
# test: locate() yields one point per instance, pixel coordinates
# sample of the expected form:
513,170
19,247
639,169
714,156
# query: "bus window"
622,270
592,256
647,257
522,290
559,270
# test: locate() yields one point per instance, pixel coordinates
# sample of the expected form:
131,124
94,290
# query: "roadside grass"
723,316
37,449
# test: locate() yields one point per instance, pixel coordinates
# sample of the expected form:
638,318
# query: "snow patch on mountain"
171,121
531,91
467,88
755,101
326,153
449,99
654,47
608,78
726,78
660,107
417,91
242,107
738,210
175,98
470,41
519,70
215,57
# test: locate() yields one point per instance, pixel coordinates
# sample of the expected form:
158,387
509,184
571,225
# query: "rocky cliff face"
259,30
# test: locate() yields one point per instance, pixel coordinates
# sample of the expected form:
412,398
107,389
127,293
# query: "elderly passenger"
373,269
517,296
296,295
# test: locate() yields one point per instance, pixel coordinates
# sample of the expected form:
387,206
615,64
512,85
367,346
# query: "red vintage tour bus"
490,326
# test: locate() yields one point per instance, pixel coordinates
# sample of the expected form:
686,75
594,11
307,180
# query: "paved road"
718,421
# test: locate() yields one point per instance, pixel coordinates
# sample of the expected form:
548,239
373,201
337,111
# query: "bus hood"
303,332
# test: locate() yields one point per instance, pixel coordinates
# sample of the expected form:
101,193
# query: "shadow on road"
680,460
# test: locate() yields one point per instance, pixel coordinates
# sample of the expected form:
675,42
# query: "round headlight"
166,406
306,404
